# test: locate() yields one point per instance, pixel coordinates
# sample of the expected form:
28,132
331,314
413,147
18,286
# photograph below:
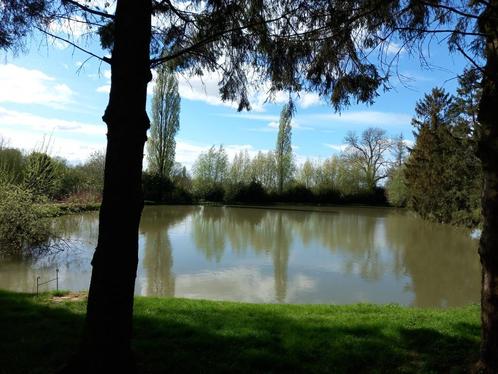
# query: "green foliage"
210,172
165,123
396,187
166,190
93,172
443,174
251,193
42,174
11,165
264,170
22,224
240,171
283,149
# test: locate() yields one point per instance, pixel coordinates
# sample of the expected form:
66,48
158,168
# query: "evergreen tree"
441,172
283,149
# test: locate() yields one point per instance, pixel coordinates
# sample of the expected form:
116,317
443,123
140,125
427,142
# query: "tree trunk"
106,346
488,153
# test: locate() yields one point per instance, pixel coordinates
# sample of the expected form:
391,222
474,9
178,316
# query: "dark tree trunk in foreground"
106,347
488,153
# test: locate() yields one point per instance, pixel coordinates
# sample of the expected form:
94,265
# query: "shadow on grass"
180,336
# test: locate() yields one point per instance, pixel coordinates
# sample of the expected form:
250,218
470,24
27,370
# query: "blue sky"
46,93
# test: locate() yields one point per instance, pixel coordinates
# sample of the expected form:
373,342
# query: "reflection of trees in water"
84,226
208,226
262,230
79,234
17,274
441,261
280,254
351,233
158,258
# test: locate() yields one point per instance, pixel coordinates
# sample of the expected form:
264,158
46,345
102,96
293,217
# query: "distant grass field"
38,333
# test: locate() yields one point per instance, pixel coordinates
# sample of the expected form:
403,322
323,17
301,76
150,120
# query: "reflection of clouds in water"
242,284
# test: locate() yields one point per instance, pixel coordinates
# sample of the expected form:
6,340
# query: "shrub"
253,193
22,224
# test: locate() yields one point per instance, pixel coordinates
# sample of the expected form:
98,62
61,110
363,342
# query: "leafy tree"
93,171
240,169
264,170
368,154
396,187
296,45
307,174
165,123
210,172
283,149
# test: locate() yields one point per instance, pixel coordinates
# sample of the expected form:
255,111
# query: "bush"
158,189
42,174
22,223
253,193
298,194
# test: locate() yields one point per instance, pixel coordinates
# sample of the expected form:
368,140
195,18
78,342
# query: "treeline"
442,177
256,180
273,176
52,178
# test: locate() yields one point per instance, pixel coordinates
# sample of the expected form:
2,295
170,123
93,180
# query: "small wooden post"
37,284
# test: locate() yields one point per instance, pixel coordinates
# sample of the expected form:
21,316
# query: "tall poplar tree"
165,123
283,149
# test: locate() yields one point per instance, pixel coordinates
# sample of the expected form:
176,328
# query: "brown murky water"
322,255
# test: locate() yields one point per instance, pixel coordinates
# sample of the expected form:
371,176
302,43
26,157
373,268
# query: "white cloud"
205,88
73,150
337,147
30,86
33,122
106,88
308,99
393,48
370,118
253,116
202,88
71,140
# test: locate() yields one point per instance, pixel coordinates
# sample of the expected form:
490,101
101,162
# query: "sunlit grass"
185,336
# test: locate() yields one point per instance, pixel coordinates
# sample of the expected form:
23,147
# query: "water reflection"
326,255
158,257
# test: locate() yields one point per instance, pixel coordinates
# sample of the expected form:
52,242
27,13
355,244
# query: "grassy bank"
185,336
60,209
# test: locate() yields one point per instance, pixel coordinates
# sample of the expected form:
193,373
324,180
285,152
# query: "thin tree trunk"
488,153
106,346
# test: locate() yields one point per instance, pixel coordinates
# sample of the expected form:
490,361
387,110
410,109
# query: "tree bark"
488,153
106,346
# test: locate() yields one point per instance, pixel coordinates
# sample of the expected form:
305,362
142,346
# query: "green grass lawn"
188,336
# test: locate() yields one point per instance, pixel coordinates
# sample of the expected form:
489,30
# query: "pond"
332,255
